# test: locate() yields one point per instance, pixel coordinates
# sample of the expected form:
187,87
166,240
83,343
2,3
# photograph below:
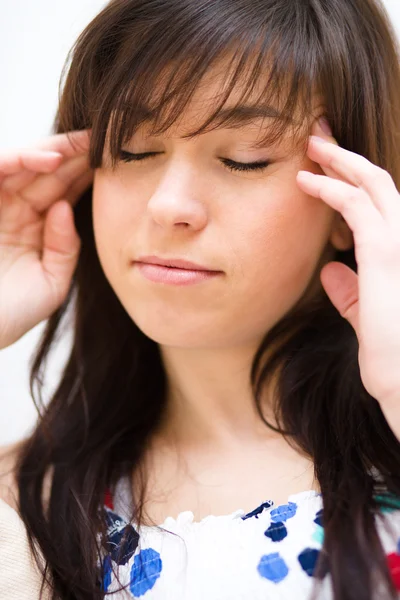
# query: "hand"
369,201
39,245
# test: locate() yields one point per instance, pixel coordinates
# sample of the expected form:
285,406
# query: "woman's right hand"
39,245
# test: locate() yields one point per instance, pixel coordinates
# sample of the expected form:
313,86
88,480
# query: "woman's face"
258,228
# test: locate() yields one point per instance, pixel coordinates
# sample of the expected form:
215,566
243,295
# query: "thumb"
341,285
61,246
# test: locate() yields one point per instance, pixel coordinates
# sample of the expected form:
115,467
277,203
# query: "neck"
210,400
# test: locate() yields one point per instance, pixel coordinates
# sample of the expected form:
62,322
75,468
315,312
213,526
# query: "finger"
13,183
61,245
45,153
69,144
47,189
341,285
79,186
32,160
354,204
318,131
44,157
360,172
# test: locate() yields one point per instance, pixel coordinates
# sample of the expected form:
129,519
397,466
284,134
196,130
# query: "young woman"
227,424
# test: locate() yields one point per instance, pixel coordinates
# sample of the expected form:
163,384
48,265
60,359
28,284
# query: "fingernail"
318,139
52,154
323,123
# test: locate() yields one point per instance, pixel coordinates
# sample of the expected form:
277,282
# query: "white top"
20,577
220,558
267,554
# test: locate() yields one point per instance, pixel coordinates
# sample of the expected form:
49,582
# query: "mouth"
175,263
174,275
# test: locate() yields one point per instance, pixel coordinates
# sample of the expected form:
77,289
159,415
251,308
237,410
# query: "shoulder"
9,455
21,578
8,484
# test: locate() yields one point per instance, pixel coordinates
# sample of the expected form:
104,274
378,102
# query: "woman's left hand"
368,200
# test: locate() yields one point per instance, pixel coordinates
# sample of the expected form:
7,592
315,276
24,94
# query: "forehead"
219,99
245,108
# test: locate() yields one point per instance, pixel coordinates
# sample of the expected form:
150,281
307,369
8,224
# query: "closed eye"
231,164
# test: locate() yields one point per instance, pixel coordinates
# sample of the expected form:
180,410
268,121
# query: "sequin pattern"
230,557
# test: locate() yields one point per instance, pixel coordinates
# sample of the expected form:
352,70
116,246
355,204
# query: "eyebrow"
244,113
239,115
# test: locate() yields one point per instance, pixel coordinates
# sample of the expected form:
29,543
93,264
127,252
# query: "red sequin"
108,499
393,560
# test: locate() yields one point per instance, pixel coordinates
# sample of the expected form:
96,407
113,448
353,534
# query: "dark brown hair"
111,394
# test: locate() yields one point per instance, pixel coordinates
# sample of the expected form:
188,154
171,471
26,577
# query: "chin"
194,336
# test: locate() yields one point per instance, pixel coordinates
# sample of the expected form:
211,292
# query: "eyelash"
231,164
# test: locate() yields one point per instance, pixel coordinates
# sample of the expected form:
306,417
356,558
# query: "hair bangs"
157,92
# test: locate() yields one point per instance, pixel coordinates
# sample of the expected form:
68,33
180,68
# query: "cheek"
112,224
280,249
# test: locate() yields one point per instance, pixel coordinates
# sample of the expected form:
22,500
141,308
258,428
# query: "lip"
174,276
177,263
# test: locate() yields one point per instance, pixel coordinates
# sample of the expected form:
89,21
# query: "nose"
176,200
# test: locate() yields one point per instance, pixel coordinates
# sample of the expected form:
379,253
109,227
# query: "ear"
341,235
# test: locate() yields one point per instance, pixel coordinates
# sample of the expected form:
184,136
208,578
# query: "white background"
35,37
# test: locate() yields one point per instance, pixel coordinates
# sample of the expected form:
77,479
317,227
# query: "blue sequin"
308,559
122,538
318,535
319,518
106,573
258,510
283,512
273,567
145,571
276,531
